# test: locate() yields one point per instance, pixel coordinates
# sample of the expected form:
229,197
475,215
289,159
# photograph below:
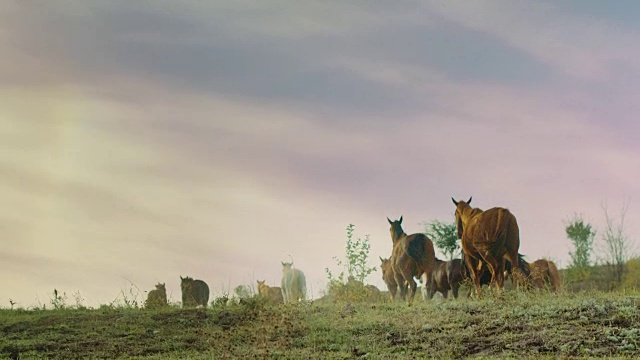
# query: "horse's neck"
469,213
399,237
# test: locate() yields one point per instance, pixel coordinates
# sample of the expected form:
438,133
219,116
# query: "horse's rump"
420,248
194,292
294,285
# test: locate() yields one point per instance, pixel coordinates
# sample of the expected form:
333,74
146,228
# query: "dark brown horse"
488,237
446,275
412,256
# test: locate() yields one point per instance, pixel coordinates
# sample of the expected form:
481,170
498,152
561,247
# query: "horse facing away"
194,292
271,293
539,274
412,256
294,284
545,273
487,236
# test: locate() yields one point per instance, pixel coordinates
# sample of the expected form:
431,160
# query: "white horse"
293,284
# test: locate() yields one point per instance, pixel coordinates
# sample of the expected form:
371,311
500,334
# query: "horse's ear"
454,201
400,221
282,262
390,222
470,197
381,259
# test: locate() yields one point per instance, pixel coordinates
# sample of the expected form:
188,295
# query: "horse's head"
460,207
286,266
396,229
186,282
261,286
160,287
385,265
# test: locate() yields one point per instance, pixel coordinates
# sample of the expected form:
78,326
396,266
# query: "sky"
144,141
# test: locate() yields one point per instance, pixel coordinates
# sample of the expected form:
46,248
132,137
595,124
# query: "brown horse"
271,293
544,273
412,256
539,274
487,236
446,275
389,277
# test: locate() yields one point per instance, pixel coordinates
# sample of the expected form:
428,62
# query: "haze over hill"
142,141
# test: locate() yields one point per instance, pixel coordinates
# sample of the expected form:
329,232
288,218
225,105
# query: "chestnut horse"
539,274
446,275
487,236
544,273
412,256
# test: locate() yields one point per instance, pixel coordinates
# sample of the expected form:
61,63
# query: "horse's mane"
473,211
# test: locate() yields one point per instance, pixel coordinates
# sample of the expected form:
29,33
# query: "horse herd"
490,242
196,292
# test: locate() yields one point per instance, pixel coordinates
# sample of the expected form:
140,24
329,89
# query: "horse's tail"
524,265
420,249
554,275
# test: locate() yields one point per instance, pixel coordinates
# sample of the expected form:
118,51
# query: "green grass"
530,325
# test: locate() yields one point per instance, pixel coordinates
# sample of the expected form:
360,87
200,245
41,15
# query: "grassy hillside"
517,325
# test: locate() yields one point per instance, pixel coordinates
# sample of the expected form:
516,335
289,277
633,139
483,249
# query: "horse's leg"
454,289
392,292
473,271
401,283
414,286
494,267
445,293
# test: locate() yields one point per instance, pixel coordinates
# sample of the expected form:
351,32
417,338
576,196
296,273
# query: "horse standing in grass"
294,284
194,292
544,274
412,256
539,274
157,297
389,278
272,293
446,275
488,237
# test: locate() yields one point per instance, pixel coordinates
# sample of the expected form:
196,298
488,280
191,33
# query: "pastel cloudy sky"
146,140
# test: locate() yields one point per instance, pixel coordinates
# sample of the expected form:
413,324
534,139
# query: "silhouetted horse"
412,256
487,236
194,292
